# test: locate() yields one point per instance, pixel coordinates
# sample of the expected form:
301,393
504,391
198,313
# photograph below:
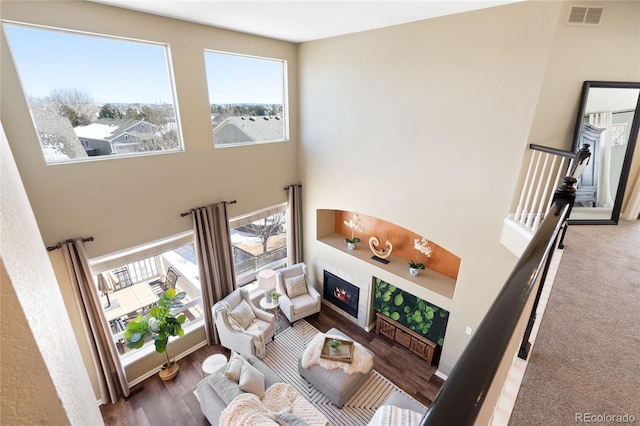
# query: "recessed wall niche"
442,267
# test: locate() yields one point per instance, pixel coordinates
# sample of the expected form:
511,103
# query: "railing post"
565,194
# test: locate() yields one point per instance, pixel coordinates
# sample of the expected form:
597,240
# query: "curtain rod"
57,246
290,186
183,214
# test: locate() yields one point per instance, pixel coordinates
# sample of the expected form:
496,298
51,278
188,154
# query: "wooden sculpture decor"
380,254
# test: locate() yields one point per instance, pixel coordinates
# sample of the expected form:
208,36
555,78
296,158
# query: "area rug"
282,356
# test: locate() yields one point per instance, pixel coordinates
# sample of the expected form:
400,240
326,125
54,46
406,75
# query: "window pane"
95,96
134,288
246,95
258,245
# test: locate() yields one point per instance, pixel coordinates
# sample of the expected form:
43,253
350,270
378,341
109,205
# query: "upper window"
116,95
247,99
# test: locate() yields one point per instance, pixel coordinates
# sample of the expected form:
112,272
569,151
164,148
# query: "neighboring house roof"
59,142
261,128
110,128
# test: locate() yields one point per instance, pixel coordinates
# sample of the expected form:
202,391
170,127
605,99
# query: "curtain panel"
215,260
112,380
294,222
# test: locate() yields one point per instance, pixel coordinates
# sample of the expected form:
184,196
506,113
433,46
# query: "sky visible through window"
235,79
101,67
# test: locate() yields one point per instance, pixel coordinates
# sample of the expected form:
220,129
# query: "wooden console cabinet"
411,340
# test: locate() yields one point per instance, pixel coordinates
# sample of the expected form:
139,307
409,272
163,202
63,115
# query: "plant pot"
414,271
351,246
169,373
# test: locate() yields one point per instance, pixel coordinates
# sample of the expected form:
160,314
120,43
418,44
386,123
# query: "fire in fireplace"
342,294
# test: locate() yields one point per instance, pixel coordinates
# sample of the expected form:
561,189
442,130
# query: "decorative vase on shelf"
414,271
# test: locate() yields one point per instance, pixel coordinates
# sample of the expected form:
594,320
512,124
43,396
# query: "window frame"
4,23
285,99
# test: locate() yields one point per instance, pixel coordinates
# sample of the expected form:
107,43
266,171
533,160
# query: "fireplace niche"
341,293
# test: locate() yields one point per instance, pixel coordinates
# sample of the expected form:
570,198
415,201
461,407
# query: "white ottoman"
214,363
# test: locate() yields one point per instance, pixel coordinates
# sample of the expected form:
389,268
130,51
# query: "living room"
375,124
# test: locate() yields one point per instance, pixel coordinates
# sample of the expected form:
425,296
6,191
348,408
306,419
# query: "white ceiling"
302,20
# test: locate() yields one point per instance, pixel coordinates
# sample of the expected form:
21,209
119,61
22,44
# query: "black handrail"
555,151
461,397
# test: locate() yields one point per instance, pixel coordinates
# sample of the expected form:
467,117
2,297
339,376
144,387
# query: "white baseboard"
441,375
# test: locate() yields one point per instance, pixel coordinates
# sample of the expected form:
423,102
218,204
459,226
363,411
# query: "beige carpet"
585,365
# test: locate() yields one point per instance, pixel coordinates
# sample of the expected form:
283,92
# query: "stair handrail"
463,394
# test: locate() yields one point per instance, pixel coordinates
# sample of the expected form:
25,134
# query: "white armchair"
298,298
244,330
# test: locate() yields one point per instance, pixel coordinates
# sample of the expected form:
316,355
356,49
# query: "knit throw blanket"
361,362
281,404
258,337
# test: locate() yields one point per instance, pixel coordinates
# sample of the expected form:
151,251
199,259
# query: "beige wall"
424,125
130,201
608,52
41,378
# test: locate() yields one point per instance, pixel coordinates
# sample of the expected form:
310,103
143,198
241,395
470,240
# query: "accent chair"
241,326
298,299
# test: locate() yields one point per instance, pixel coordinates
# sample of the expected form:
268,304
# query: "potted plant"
275,296
159,324
354,225
334,344
421,246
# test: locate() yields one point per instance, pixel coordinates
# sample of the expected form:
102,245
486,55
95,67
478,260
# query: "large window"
138,277
247,99
259,241
95,97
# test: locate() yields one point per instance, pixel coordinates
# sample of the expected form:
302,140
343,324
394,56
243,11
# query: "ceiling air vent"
585,15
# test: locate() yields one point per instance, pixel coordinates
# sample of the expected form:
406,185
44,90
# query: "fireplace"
341,293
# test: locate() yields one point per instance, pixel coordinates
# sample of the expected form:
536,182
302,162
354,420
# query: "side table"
213,363
273,307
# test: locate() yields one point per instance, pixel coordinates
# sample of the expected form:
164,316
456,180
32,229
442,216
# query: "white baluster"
538,218
525,209
536,197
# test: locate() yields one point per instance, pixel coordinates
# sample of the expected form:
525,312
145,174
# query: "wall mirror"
608,120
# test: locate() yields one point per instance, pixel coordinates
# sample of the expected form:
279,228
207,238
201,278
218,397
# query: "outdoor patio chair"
124,279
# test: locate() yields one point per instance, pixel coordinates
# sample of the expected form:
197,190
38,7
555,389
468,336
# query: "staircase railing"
546,167
474,383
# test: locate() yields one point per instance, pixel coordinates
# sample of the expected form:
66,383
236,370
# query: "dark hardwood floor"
157,403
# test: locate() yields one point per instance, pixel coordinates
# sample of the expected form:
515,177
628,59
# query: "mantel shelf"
431,280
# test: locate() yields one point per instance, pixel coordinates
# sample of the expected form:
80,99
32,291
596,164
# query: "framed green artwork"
414,313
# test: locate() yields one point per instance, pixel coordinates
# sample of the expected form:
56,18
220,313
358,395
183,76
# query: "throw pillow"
252,380
234,367
223,387
295,286
289,419
243,314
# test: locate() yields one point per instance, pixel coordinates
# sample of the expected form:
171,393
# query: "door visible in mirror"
608,122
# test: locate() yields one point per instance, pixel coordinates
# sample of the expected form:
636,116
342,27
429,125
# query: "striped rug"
282,356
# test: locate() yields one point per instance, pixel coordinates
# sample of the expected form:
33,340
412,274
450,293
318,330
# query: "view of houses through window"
246,95
100,96
131,283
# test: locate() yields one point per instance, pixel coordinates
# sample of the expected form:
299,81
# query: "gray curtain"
294,222
215,260
112,381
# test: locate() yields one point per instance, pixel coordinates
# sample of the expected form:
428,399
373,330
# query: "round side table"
273,307
213,363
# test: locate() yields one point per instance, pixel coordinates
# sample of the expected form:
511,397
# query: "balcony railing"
472,389
247,269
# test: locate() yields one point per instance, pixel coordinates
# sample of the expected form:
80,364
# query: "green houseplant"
275,296
333,344
159,324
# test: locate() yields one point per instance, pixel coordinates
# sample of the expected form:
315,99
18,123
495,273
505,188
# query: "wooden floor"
157,403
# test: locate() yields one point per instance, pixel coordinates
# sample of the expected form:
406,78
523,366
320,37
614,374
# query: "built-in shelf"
434,281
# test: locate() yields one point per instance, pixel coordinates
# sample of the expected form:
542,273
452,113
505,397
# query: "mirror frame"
628,156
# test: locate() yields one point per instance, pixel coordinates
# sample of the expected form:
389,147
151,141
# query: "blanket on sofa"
362,360
281,404
258,339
